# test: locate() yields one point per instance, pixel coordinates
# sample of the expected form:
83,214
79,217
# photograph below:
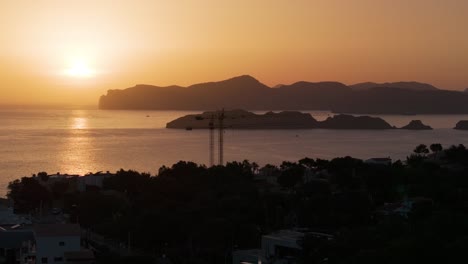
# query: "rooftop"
79,255
14,239
289,235
48,230
295,235
7,217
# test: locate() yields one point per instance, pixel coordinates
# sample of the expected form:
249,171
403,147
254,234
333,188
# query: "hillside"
246,92
415,86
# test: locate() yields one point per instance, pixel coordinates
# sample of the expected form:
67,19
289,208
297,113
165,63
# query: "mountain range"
247,92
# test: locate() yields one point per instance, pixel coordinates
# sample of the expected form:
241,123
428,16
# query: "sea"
84,141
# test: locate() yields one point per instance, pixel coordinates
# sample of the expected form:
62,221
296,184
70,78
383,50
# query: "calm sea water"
82,141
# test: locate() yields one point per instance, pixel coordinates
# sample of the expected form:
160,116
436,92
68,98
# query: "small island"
462,125
342,121
416,125
241,119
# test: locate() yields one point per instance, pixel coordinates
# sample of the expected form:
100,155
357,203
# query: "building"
9,218
283,244
279,247
379,161
96,180
55,243
253,256
16,246
79,257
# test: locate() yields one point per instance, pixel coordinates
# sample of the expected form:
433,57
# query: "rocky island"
354,122
462,125
241,119
416,125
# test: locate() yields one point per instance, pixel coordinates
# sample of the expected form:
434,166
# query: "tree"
321,164
421,150
255,168
59,188
291,174
43,176
270,170
344,171
28,194
307,162
457,154
243,169
436,147
127,181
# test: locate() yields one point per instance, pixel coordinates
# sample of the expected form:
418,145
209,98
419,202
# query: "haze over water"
82,141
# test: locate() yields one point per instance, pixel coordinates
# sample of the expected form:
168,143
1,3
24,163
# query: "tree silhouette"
291,174
436,147
28,194
421,150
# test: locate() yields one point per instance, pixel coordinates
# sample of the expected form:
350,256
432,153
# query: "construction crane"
216,116
212,143
221,137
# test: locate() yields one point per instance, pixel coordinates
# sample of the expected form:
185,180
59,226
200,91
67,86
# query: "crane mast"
219,117
212,140
221,138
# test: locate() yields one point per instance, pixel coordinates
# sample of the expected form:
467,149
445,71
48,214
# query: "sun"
80,69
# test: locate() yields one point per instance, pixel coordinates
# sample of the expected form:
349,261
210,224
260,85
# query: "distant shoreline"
242,119
96,107
47,107
246,92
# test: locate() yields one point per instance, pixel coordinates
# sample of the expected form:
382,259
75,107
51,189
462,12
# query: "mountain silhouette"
246,92
416,86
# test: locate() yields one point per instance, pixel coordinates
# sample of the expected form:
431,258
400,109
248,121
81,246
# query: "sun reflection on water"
77,156
80,123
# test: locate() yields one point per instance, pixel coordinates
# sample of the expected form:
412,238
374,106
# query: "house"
92,179
16,246
406,207
9,218
55,242
42,243
279,247
249,256
283,244
79,257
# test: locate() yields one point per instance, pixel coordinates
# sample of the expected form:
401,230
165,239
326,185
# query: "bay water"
83,141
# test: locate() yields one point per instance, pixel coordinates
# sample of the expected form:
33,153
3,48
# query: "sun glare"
80,69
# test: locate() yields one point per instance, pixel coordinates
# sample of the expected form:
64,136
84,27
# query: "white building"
282,244
54,240
96,180
277,248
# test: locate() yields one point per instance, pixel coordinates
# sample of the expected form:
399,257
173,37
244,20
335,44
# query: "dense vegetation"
195,214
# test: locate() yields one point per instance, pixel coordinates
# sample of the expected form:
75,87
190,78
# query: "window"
58,259
44,260
61,243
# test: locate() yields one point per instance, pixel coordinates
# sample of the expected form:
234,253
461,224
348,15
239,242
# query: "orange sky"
120,43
